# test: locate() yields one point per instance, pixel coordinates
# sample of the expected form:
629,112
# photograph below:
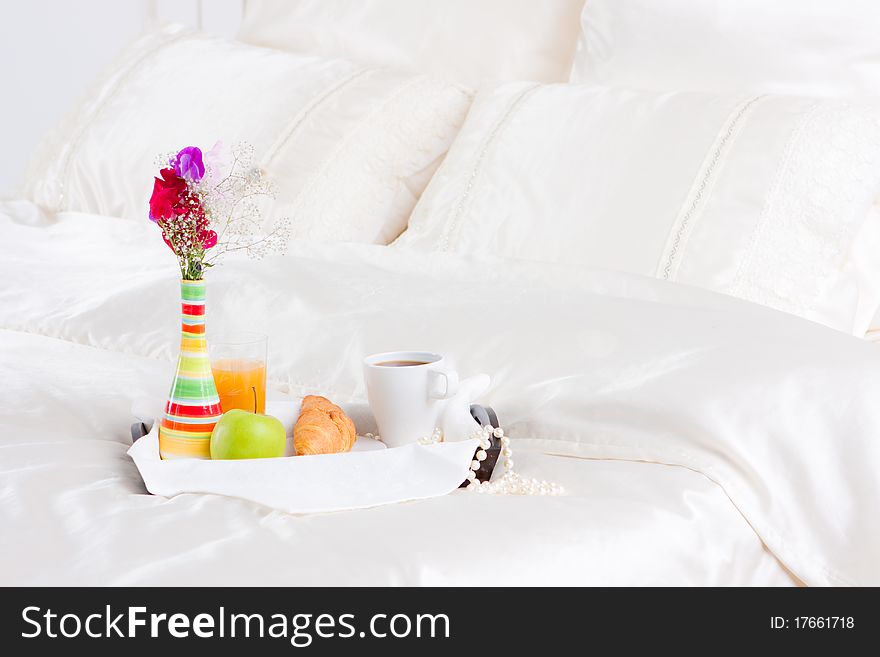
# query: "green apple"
242,435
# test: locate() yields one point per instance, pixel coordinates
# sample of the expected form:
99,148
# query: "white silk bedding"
817,48
769,419
472,42
74,510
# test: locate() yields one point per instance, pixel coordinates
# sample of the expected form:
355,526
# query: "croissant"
322,428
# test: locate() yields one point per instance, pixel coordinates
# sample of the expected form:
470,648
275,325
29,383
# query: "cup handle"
449,389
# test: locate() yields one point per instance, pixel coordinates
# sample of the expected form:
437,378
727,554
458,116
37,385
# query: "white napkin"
308,484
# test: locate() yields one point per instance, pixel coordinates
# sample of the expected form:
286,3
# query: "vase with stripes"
193,406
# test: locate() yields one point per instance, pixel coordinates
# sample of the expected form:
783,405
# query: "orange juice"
240,384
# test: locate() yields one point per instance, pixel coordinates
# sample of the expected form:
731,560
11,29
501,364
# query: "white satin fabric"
474,43
814,48
776,412
865,265
759,197
75,512
348,148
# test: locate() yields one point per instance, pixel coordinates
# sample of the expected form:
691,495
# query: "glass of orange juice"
238,362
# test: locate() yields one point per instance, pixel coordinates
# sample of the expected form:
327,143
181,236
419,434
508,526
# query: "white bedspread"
708,428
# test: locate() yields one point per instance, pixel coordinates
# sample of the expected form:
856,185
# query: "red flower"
209,239
168,193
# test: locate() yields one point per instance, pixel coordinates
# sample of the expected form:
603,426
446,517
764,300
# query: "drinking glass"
238,362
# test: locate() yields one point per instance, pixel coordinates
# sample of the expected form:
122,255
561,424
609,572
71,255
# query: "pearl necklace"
510,483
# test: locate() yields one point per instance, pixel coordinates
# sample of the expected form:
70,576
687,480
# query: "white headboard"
216,16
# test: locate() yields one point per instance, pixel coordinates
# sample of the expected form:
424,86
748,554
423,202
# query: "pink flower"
188,164
217,160
209,239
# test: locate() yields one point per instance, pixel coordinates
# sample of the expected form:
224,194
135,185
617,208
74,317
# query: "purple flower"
189,165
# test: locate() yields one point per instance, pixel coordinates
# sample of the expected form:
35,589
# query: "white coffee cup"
406,390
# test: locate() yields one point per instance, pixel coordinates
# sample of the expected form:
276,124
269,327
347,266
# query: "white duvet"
715,442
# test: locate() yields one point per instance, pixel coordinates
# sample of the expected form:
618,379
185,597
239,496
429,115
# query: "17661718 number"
813,622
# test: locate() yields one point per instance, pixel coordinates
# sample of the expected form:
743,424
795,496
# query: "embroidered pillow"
758,197
349,148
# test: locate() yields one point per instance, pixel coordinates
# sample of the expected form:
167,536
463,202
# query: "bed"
81,515
709,406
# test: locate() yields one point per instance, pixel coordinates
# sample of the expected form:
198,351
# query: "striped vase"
193,405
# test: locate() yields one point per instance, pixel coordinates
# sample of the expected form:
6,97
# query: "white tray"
369,475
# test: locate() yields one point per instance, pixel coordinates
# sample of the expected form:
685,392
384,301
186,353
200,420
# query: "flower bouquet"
206,208
206,205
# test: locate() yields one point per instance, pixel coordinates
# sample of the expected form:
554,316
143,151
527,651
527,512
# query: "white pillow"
759,197
813,48
349,148
470,42
820,48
